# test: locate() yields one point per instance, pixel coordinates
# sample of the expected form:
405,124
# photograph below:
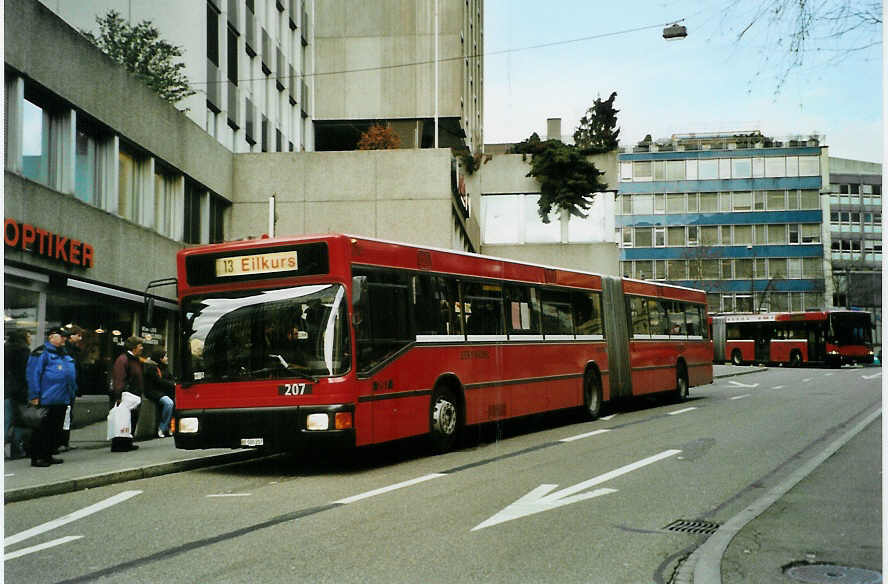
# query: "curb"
121,476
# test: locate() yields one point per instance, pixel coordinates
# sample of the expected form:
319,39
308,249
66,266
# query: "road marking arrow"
542,499
738,384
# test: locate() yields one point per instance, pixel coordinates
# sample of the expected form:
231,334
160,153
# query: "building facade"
104,182
740,215
855,227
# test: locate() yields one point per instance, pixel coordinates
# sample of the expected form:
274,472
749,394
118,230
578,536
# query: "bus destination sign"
250,265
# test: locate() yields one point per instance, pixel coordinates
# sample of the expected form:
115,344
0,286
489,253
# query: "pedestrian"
160,388
72,347
15,391
126,375
52,384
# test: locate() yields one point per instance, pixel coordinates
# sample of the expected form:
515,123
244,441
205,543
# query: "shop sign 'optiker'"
25,236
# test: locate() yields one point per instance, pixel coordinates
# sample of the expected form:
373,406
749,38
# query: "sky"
709,81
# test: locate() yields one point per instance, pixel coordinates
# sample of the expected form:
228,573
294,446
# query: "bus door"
763,343
816,334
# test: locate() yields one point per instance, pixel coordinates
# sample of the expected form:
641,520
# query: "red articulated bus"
360,341
834,337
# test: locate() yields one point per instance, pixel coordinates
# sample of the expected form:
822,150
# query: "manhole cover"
696,526
831,574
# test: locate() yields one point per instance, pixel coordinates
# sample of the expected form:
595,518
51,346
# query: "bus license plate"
252,441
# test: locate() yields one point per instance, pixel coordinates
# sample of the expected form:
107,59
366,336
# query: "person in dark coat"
52,383
126,375
160,388
15,390
72,347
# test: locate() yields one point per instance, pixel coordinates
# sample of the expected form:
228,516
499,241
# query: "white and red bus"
362,341
833,337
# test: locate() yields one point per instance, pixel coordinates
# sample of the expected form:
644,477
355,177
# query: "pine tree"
140,49
567,179
598,130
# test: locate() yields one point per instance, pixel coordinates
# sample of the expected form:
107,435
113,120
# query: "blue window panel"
741,153
716,286
727,218
723,185
722,252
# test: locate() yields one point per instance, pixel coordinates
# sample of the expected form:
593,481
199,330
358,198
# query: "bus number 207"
294,389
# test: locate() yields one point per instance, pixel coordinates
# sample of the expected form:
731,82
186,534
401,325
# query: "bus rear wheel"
736,357
682,387
591,396
443,419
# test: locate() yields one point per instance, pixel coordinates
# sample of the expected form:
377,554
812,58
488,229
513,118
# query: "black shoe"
124,448
42,462
55,460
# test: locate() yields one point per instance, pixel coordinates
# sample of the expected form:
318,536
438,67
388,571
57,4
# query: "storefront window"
21,311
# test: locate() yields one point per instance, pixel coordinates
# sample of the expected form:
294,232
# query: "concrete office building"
303,75
738,214
104,182
855,228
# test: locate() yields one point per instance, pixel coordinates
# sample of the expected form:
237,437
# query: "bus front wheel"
443,419
736,357
592,396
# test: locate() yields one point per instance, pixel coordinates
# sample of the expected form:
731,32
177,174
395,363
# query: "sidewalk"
92,464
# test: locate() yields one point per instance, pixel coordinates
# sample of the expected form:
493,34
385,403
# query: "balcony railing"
726,141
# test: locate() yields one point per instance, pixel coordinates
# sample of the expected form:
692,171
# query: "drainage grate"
695,526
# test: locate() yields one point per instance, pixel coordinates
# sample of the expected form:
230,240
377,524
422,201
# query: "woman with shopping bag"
126,390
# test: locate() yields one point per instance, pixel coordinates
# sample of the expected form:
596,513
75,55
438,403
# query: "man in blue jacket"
52,383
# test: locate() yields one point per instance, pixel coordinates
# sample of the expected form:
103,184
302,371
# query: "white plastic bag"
119,423
130,400
66,425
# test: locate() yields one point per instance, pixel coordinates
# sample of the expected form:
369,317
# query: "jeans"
15,435
166,413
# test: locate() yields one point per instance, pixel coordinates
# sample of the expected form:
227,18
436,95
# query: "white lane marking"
778,387
740,396
389,488
586,435
230,495
12,474
827,374
40,547
542,499
610,417
806,380
738,384
873,376
675,413
101,505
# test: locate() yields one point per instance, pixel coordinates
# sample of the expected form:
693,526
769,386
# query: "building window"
129,195
775,166
217,219
709,169
741,167
35,143
641,170
164,201
86,166
193,195
809,165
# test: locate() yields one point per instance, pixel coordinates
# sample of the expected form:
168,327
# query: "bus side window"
638,316
522,310
435,305
557,313
587,313
692,314
704,330
657,317
675,312
384,326
483,307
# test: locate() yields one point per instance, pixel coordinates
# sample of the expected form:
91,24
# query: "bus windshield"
851,329
267,334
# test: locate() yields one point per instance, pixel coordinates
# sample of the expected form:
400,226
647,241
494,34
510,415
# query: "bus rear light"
188,425
343,420
317,422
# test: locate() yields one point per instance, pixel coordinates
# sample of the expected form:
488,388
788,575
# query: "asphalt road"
546,499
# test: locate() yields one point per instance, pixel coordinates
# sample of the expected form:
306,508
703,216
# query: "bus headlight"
188,425
317,422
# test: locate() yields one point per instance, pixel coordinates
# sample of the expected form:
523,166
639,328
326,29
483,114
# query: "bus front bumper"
271,428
